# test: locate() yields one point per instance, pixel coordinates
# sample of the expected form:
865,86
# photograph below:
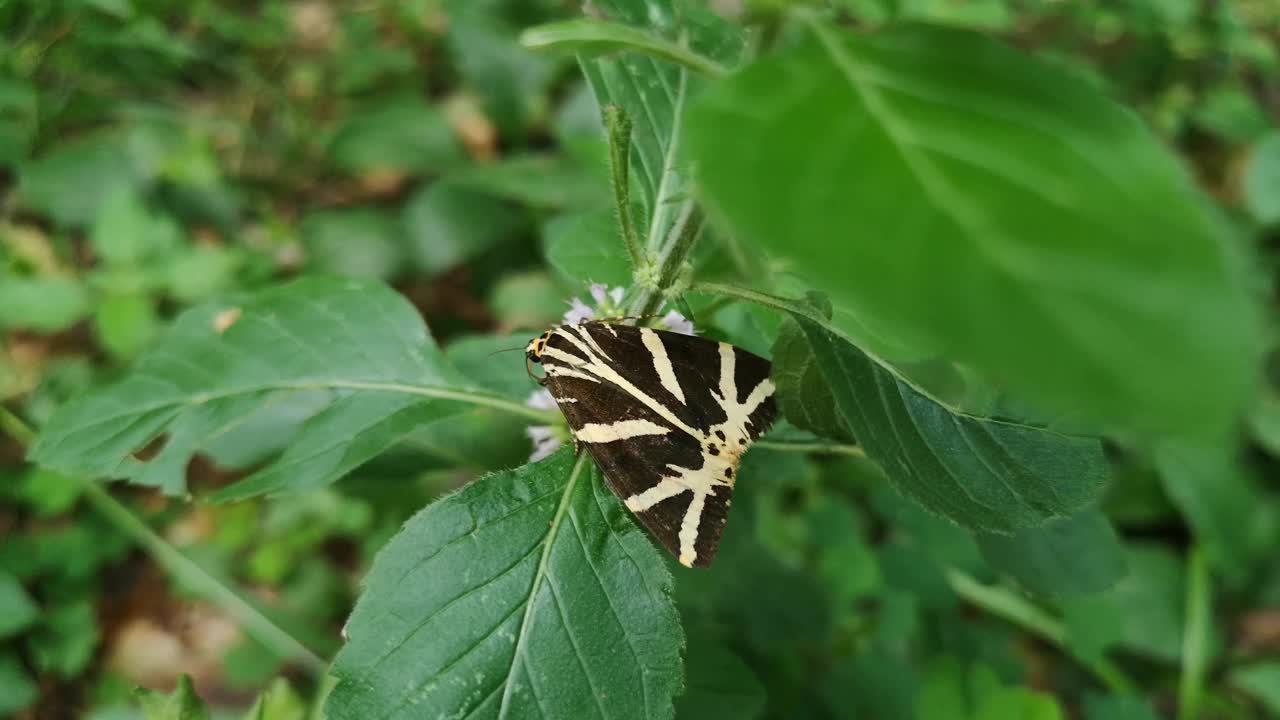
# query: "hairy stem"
618,125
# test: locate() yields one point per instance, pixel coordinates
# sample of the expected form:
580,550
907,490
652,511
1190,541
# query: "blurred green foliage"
157,155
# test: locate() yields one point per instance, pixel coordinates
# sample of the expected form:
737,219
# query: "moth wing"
666,417
640,464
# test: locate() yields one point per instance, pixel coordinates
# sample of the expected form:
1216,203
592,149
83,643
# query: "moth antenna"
495,352
629,317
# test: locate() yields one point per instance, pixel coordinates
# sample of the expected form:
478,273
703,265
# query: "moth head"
533,351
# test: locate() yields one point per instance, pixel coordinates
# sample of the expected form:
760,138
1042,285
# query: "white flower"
545,441
542,400
608,302
579,312
675,322
544,437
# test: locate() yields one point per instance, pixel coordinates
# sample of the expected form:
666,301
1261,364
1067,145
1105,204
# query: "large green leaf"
988,475
357,348
1071,556
965,197
804,396
530,593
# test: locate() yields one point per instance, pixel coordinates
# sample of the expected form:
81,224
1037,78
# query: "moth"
665,416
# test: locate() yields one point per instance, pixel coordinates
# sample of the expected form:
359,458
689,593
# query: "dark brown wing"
666,417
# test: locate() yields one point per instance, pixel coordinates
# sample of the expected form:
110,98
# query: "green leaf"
43,304
16,689
1150,597
653,93
67,183
555,605
1093,625
983,203
527,300
125,324
197,273
402,133
587,247
977,694
804,396
125,231
874,684
1118,707
181,704
17,611
542,181
357,347
360,242
991,15
482,360
595,37
448,225
49,493
988,475
1231,112
1237,523
510,79
66,639
1262,681
1262,180
278,702
719,685
1077,555
1017,703
19,118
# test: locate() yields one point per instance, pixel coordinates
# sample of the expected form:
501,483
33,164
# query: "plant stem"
1195,638
618,124
173,561
1031,618
14,425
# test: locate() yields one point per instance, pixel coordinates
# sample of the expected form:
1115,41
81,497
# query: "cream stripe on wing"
620,430
561,371
586,335
662,363
604,372
728,384
573,339
689,530
654,495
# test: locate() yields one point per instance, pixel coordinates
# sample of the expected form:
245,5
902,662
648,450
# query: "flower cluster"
608,303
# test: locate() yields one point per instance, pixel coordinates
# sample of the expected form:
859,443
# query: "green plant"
969,265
